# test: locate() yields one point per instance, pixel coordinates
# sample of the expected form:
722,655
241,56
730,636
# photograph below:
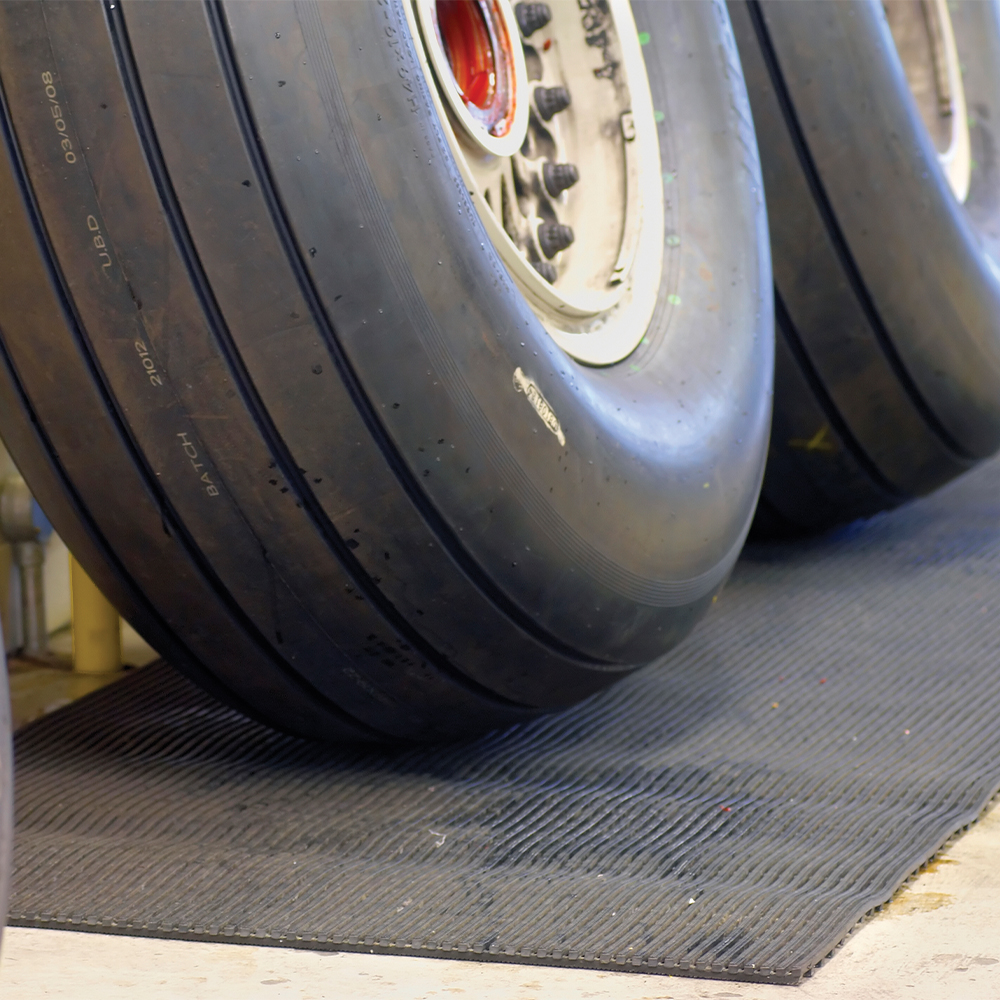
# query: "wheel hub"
547,109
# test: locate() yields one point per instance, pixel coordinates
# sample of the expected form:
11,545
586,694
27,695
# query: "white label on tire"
541,405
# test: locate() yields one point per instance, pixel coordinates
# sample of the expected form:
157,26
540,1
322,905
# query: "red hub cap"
475,41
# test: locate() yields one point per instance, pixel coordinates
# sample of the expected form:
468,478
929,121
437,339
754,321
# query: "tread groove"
787,330
79,507
255,406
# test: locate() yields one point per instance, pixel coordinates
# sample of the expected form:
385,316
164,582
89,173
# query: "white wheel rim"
606,283
925,40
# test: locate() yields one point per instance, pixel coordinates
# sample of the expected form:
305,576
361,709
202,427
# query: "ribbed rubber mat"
732,812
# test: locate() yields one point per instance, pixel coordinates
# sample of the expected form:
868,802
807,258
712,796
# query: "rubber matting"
732,812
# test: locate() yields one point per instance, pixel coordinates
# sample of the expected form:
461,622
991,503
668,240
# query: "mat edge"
790,978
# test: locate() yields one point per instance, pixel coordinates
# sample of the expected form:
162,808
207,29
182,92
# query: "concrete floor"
939,939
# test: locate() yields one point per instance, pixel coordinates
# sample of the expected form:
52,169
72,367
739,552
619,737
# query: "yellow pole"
97,633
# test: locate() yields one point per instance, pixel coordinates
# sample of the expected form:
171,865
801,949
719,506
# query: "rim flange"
941,58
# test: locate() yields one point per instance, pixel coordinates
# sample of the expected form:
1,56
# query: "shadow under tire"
259,366
887,287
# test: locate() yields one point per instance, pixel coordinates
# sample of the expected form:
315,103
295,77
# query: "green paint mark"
645,340
674,300
635,368
658,116
673,241
973,165
644,38
668,178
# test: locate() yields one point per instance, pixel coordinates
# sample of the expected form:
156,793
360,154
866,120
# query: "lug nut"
551,100
546,270
559,176
532,16
553,237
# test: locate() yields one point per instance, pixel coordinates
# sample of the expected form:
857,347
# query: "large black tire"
888,305
258,356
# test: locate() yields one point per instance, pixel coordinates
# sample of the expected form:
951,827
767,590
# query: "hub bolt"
532,16
551,100
553,237
559,176
546,270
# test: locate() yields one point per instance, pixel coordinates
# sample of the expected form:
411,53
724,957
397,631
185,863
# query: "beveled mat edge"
776,977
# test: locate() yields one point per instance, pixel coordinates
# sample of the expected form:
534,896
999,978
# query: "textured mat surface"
731,812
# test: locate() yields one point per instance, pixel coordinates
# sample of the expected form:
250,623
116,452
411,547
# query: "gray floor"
939,939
